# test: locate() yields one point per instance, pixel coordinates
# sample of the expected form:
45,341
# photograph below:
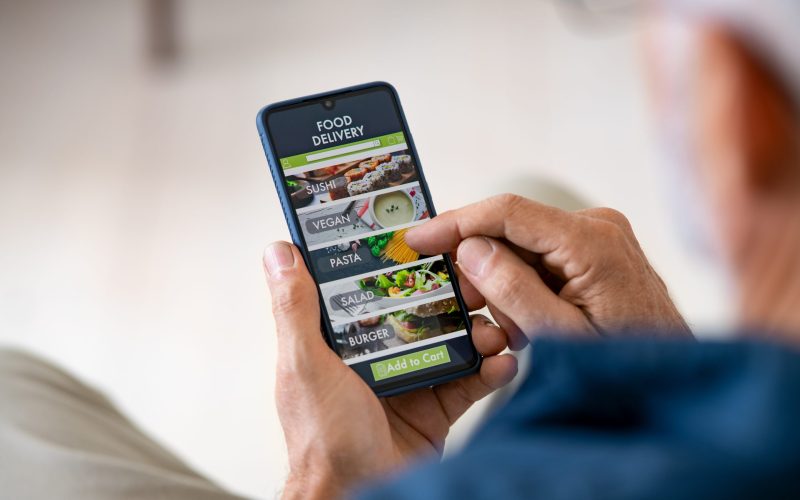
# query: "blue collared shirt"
632,419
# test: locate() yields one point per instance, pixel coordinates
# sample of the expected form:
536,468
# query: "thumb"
295,303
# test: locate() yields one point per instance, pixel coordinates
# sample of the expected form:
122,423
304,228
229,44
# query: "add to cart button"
400,365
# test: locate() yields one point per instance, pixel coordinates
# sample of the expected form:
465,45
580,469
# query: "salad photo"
373,294
412,282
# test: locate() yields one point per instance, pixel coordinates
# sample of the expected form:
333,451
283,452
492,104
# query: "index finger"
531,225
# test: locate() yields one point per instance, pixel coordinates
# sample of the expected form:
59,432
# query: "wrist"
311,486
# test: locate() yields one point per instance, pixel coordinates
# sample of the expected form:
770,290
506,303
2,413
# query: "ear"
752,114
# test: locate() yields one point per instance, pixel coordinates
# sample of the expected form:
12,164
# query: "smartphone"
350,185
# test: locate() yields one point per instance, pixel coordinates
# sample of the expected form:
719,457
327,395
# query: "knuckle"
508,200
605,235
613,216
509,204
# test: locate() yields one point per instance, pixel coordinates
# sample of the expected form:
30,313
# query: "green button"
400,365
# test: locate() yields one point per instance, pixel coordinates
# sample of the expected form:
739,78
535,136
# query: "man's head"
726,77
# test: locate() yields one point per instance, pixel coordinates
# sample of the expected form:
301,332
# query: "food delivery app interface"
354,186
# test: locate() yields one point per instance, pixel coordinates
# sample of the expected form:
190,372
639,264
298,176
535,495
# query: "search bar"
343,151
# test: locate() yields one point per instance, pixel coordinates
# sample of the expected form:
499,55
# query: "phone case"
294,229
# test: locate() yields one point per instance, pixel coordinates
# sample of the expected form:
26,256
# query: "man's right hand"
542,269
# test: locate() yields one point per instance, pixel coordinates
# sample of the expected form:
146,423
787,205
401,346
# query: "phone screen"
353,187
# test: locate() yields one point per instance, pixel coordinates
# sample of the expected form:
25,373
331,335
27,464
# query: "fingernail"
473,254
486,321
277,257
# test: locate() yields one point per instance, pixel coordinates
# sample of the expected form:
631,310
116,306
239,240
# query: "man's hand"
539,268
337,432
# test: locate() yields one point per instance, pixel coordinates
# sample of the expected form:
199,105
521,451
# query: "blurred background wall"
135,199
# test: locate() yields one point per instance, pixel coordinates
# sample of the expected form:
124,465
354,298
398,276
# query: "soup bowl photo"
392,209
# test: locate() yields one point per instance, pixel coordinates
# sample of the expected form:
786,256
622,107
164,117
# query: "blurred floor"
135,201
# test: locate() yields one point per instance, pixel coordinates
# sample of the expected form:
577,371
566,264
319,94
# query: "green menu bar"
358,147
